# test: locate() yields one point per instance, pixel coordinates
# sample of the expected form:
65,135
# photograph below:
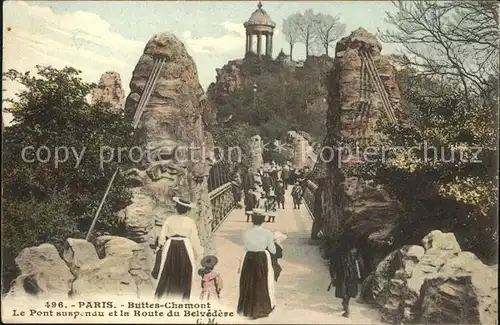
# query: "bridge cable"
378,85
372,70
152,78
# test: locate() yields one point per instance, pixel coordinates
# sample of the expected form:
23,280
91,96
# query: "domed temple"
261,26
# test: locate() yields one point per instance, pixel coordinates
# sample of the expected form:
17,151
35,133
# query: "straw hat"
258,211
209,261
183,202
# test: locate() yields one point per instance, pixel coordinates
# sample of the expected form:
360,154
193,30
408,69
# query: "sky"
100,36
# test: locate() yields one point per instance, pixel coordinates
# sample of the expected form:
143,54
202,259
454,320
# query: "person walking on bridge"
256,298
285,176
178,246
250,202
280,194
297,195
347,266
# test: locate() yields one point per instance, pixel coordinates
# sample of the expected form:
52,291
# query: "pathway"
301,295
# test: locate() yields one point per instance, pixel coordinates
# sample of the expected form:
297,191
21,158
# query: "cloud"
35,35
231,42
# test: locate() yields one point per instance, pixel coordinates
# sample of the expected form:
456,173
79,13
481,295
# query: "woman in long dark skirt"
257,275
178,245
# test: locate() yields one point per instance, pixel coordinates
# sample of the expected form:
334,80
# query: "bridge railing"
309,197
222,202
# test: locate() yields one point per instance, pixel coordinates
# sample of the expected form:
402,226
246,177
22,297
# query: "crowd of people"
264,188
178,247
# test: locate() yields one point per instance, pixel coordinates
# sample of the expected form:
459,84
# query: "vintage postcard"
239,162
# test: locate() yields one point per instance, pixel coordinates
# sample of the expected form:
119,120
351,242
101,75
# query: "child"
278,240
297,195
211,282
271,206
262,201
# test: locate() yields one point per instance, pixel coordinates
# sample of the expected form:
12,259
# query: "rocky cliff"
354,108
179,148
109,90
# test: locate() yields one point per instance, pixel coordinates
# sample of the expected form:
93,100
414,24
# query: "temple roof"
260,17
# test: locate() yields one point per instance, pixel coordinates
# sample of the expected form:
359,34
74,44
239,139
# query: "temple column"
250,43
259,44
267,44
247,43
271,44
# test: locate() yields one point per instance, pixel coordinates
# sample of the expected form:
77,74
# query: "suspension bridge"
302,295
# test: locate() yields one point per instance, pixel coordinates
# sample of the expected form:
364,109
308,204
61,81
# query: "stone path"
301,295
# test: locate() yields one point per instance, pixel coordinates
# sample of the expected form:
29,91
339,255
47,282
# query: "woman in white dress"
179,245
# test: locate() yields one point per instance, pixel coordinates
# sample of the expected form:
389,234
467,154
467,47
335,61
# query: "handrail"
309,194
219,190
222,202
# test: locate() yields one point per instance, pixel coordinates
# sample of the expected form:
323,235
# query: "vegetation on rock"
284,99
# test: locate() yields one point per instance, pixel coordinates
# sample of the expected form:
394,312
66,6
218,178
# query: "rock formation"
122,271
256,151
301,150
354,108
179,148
229,78
109,90
435,283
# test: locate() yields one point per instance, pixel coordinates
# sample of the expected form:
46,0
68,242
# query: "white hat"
183,202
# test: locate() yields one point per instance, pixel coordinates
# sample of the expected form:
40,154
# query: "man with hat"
211,281
178,245
280,194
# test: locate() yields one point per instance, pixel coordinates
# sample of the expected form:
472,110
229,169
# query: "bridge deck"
301,295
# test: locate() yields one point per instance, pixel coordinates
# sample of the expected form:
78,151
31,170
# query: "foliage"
45,201
284,100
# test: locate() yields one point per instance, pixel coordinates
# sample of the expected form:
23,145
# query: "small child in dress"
211,281
271,206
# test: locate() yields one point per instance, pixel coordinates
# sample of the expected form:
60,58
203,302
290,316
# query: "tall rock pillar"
354,109
179,149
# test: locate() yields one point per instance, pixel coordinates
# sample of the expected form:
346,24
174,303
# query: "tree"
329,29
48,202
452,41
291,31
307,31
